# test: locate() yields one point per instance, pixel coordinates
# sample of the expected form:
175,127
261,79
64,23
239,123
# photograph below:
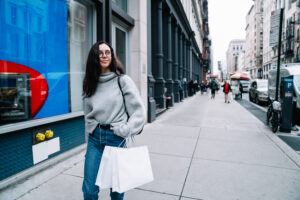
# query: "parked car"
244,86
258,91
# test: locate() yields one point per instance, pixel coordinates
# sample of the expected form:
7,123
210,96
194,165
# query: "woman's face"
105,57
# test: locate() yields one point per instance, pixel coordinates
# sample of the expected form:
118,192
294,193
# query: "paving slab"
138,194
223,180
156,130
77,170
260,153
61,187
232,135
161,144
169,174
148,195
185,115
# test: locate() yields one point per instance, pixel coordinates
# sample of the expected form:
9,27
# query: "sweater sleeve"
134,107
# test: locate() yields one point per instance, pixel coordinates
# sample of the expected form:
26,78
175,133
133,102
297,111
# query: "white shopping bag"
131,168
105,172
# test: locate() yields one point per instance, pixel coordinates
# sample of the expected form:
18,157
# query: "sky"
227,21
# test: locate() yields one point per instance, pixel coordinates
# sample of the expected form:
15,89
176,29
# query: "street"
131,66
199,149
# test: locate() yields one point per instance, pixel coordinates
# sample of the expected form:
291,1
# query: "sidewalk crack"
190,165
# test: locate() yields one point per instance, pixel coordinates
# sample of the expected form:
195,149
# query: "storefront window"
43,49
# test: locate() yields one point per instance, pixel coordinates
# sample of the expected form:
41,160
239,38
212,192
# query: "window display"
33,60
42,57
14,97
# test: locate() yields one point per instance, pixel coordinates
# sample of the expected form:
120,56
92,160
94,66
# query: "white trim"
33,123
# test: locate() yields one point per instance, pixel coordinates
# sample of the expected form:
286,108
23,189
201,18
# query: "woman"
226,90
107,120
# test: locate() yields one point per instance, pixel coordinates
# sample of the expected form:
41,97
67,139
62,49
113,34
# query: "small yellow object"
40,137
49,134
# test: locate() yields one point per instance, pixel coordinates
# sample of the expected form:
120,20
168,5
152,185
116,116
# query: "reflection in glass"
14,98
79,41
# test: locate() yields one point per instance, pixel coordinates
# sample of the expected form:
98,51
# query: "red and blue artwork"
34,41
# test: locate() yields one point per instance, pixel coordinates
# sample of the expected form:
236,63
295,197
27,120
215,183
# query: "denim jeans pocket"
113,139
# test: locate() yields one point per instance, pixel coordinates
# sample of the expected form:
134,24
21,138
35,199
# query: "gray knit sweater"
106,106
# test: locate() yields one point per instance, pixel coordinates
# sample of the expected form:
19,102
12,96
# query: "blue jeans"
95,147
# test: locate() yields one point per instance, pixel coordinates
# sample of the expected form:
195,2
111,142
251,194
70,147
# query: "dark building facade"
175,55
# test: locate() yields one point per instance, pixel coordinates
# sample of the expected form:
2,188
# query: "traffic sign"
274,27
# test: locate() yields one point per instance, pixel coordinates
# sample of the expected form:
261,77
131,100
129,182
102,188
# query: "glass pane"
78,47
121,3
297,81
33,60
121,46
42,58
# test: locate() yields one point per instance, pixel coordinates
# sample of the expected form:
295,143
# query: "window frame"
114,26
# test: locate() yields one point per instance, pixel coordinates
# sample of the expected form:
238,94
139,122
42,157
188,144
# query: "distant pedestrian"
190,87
202,87
167,97
226,90
213,87
241,90
195,86
107,120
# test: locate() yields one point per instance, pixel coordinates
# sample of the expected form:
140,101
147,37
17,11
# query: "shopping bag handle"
127,141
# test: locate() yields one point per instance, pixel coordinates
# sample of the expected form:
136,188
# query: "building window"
13,14
233,54
122,4
120,44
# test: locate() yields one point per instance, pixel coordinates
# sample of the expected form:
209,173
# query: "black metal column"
180,56
159,83
188,68
188,52
151,80
175,64
185,68
169,81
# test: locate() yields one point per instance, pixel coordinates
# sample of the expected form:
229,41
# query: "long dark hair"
93,68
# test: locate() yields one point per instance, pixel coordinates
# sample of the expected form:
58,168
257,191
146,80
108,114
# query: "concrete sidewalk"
200,149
